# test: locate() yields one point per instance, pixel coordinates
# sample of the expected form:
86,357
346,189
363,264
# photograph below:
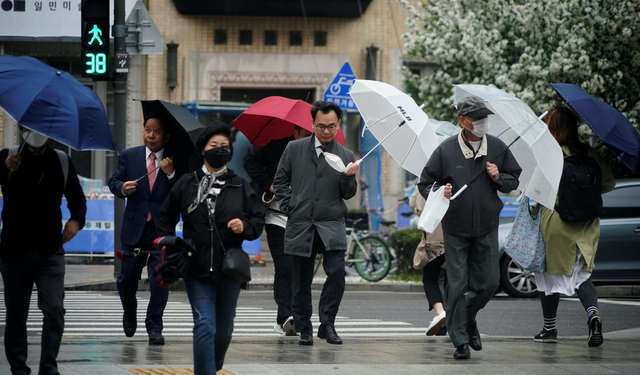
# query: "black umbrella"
184,129
175,257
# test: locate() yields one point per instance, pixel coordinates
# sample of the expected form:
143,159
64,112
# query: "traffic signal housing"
95,39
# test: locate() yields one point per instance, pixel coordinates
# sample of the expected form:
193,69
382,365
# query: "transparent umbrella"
535,149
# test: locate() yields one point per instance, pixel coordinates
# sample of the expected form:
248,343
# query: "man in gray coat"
312,195
470,227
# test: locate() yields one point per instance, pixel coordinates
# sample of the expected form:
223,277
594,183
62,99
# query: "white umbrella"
535,149
395,119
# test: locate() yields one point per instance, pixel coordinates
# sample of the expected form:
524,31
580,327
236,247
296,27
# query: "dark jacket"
236,200
263,164
131,166
312,195
474,212
31,216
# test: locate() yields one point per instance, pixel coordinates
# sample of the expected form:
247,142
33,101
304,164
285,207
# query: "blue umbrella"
607,123
53,103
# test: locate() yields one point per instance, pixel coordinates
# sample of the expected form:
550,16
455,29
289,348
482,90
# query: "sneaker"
595,331
437,322
547,336
289,327
278,329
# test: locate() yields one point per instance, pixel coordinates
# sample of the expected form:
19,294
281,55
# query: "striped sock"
592,310
549,324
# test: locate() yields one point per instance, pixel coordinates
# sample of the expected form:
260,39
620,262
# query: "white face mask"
34,139
480,127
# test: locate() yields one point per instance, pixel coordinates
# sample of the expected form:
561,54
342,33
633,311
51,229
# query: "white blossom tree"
521,46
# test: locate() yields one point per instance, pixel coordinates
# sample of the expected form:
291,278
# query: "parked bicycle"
369,255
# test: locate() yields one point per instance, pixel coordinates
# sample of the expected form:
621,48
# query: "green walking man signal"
96,35
96,49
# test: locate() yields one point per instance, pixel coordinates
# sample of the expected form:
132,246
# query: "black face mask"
217,157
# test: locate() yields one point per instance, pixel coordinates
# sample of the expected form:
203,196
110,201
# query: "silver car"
618,258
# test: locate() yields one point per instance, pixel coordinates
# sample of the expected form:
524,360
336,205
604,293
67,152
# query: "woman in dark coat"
219,210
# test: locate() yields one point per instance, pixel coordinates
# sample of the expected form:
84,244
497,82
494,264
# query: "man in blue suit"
140,221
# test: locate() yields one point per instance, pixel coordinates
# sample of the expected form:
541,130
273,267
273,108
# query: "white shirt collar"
317,141
159,154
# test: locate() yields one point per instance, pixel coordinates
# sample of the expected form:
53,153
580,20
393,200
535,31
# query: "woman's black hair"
218,128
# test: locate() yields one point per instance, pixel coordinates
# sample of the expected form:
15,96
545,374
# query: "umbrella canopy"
443,129
53,103
175,258
383,108
537,152
274,118
607,123
184,127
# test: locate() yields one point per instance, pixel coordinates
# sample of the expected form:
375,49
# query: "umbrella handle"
357,162
154,169
459,192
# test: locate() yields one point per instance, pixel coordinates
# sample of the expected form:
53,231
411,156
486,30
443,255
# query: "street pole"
120,118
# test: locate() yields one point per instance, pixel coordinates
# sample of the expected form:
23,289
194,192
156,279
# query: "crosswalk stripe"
94,315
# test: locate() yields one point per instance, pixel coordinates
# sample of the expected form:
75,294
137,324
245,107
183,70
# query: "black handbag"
236,265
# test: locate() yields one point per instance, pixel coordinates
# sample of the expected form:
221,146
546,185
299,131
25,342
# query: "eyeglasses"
330,127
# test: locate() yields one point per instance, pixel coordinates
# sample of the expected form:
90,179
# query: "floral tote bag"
524,244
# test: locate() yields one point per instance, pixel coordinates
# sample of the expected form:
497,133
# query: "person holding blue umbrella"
34,177
571,232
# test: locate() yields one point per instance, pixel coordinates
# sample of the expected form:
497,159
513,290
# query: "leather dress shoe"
306,338
329,332
129,324
156,338
474,336
462,352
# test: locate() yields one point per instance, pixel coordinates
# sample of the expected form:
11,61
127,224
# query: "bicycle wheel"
373,259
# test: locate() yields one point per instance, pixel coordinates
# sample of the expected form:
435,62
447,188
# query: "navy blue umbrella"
53,103
607,123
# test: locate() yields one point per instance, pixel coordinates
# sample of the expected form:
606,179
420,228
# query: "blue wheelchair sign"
338,91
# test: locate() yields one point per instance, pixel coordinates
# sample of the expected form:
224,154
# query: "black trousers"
47,272
332,291
472,279
430,277
130,274
282,263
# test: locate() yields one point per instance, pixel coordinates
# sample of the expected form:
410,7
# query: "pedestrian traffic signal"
95,39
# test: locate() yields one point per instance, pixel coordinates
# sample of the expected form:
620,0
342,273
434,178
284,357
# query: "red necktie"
152,175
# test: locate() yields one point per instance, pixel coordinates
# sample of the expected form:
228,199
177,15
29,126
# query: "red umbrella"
274,118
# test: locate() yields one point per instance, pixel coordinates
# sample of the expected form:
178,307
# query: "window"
270,38
220,36
622,202
246,37
320,38
295,38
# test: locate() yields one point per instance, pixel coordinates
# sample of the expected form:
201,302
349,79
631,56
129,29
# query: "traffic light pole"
120,117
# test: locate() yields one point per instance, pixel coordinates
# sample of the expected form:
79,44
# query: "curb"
604,291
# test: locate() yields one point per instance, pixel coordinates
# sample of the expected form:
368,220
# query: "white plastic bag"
336,162
433,211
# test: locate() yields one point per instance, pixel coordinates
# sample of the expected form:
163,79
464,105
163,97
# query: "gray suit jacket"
312,195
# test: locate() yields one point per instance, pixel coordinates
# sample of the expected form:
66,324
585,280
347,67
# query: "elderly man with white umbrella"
470,226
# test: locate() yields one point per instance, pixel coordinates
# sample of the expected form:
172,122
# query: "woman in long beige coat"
571,246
